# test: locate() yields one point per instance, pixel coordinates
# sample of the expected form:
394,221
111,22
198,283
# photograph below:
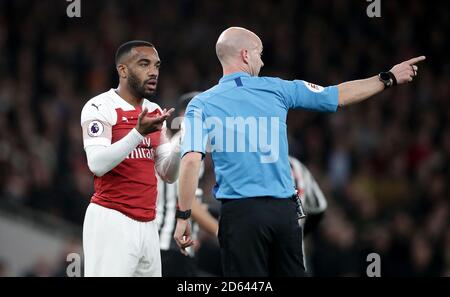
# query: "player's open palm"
407,70
146,124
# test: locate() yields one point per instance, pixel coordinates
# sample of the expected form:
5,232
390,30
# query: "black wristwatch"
388,79
183,214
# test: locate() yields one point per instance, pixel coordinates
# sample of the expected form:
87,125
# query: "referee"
258,228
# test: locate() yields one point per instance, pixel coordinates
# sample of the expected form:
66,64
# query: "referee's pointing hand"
407,70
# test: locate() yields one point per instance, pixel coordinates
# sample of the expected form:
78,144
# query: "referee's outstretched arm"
357,90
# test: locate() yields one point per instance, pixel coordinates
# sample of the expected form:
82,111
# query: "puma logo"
96,106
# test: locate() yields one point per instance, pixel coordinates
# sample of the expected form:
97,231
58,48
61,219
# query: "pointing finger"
415,60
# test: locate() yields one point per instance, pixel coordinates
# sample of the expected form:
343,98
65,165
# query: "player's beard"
138,87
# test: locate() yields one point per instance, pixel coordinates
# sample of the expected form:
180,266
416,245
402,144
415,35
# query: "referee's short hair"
126,48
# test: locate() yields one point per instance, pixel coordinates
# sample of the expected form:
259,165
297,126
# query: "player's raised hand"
407,70
146,125
182,235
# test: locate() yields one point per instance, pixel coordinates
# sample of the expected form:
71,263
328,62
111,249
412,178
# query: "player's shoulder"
200,99
100,107
294,162
104,99
298,166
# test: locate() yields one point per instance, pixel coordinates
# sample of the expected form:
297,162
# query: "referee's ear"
244,56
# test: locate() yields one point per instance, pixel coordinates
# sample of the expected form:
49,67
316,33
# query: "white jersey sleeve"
314,199
97,119
167,157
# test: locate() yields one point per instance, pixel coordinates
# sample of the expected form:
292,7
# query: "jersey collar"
232,76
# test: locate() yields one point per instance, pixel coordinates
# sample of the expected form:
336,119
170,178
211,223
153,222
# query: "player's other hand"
407,70
182,235
146,125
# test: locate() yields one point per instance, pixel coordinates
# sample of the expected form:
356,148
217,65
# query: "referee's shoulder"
203,97
266,80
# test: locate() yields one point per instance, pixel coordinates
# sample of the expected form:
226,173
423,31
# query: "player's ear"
122,70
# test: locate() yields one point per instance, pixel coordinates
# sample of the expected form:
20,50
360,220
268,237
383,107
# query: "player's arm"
315,202
101,159
102,156
355,91
167,159
204,219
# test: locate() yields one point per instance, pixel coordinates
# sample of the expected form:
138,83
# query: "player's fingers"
143,113
188,243
162,118
169,112
185,242
159,119
184,252
183,249
415,60
179,240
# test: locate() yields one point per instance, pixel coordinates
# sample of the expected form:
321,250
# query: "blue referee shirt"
242,122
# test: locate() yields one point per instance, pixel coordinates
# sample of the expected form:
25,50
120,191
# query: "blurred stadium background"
383,164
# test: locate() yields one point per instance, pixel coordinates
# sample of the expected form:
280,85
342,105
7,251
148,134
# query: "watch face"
385,76
183,214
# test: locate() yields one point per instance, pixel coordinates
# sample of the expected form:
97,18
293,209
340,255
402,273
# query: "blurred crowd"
384,164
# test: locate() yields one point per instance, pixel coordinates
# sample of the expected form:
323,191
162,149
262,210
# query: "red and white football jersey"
131,186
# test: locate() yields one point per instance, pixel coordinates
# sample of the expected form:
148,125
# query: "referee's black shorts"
260,237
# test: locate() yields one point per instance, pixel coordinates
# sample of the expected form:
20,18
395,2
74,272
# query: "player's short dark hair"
184,99
128,46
